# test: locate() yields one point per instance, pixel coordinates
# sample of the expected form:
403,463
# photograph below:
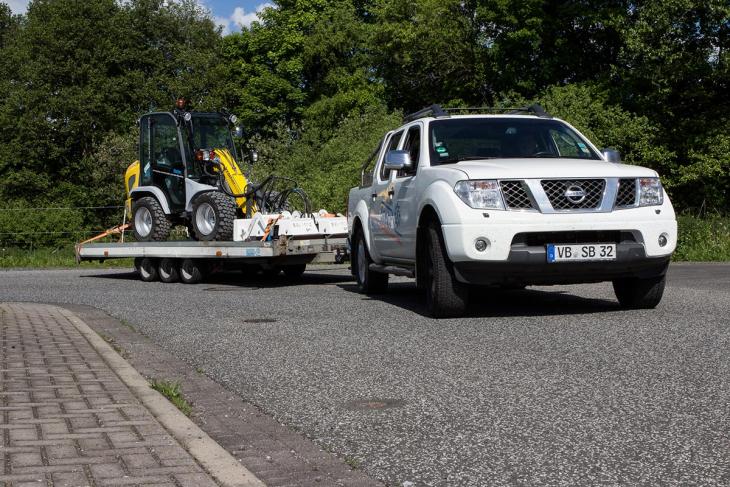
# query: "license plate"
580,252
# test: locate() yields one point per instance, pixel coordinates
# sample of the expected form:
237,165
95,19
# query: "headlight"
483,195
650,192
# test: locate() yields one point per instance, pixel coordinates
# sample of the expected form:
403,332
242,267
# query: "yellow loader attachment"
233,176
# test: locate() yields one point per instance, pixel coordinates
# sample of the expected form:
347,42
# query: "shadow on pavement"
246,279
494,302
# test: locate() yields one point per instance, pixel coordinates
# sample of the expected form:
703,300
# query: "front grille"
516,196
626,195
539,239
584,193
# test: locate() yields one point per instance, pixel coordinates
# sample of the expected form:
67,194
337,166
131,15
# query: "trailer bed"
279,248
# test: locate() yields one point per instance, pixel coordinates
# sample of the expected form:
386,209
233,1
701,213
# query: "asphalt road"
548,386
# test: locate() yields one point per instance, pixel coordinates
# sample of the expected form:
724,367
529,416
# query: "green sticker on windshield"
582,147
441,149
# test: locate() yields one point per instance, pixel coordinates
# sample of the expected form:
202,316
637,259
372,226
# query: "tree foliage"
317,82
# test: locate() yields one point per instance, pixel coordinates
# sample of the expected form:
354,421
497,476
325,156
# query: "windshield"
211,131
454,140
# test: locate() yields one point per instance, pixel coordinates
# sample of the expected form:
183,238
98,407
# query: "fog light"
663,240
481,244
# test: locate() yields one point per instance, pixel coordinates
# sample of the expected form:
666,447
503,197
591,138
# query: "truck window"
392,145
413,146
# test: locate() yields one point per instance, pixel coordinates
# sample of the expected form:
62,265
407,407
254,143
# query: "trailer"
190,261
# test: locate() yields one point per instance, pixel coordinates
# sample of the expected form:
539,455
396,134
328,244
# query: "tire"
640,293
295,271
147,269
446,297
149,222
368,282
169,270
192,271
213,215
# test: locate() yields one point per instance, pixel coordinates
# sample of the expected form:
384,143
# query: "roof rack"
438,111
432,111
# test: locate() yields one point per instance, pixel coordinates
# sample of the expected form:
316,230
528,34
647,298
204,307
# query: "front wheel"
637,293
149,222
446,297
147,269
368,282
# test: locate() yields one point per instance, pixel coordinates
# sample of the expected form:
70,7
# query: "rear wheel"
149,222
147,269
169,271
213,215
446,297
640,293
369,282
192,271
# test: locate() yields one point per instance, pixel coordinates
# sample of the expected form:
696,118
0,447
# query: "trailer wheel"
148,269
213,215
295,271
192,271
369,282
169,270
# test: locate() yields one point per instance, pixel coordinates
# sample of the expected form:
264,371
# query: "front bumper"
529,266
501,227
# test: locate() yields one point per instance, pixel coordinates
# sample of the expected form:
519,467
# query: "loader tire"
149,222
213,215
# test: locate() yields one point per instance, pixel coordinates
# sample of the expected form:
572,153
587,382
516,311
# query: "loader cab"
164,160
169,144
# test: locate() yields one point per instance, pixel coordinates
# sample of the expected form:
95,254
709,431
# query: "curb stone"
209,454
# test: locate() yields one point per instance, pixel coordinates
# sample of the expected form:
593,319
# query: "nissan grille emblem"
575,194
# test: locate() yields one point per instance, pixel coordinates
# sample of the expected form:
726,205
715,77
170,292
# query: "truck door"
404,202
382,218
161,159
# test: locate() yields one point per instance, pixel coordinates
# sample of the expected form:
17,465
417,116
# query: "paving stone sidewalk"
66,419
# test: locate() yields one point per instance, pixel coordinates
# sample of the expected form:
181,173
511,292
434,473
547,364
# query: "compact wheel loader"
187,174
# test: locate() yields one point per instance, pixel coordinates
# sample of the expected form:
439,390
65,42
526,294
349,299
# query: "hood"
541,168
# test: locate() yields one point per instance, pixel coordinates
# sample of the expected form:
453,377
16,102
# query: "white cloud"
240,18
17,6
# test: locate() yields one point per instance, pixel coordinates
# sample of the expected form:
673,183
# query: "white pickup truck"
456,198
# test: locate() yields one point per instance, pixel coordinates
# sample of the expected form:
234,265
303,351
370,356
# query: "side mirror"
397,160
611,155
253,156
238,133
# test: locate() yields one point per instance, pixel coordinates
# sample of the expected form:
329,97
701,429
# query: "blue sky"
228,13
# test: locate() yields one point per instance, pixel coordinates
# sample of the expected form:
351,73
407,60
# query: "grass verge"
171,390
703,239
51,257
